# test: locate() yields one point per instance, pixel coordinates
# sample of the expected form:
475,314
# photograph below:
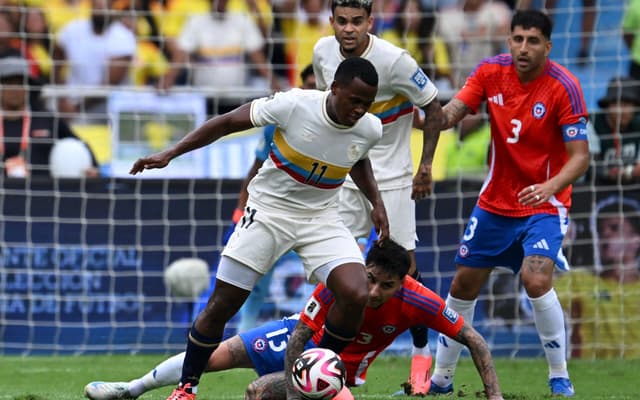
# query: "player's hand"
535,195
380,221
158,160
422,182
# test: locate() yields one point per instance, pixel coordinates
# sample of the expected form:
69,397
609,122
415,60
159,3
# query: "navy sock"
199,349
334,338
419,333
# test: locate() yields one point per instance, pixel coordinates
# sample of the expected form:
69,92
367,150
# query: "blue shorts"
492,240
266,344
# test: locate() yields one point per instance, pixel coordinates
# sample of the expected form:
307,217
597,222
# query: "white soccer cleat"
107,391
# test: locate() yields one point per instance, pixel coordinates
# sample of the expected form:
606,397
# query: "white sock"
166,373
549,319
449,350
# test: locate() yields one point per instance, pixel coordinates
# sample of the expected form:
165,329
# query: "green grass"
62,378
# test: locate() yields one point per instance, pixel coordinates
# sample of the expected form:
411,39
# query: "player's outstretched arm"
299,337
481,356
207,133
433,121
362,175
453,113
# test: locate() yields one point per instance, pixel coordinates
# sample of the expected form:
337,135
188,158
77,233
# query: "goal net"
82,260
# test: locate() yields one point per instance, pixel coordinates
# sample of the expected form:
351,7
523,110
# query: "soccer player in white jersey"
402,85
321,137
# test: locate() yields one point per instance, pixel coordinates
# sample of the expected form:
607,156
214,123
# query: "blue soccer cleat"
561,387
435,389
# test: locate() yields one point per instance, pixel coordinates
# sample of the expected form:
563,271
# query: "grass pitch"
63,378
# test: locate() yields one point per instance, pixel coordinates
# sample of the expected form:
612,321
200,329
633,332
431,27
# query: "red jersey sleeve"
472,93
315,311
427,308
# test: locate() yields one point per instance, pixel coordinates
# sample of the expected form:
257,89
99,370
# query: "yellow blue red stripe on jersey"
303,168
392,109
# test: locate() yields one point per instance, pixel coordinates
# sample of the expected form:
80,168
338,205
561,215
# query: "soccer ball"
187,278
318,374
69,158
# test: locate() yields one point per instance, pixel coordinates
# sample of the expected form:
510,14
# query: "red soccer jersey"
412,305
530,124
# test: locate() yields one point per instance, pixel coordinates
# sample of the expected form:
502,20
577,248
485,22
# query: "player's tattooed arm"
299,338
267,387
453,112
481,356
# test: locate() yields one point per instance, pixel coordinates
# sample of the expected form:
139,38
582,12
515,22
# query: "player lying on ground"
396,302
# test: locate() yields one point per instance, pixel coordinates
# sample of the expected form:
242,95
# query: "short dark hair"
356,67
306,72
620,207
533,19
390,257
365,4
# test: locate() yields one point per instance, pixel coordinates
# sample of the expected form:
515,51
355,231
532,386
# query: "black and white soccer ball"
318,374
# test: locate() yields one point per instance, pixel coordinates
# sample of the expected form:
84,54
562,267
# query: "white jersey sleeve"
408,79
273,110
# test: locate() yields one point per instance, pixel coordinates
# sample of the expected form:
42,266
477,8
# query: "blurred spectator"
631,35
38,42
214,46
27,134
60,13
618,129
303,23
9,38
603,303
588,23
475,30
413,30
97,51
149,63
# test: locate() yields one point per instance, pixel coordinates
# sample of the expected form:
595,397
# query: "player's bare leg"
272,387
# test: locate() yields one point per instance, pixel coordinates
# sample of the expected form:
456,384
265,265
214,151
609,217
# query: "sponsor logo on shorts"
420,78
388,329
259,345
450,314
463,251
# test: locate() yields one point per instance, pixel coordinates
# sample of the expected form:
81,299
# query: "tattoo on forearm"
454,111
481,357
299,337
268,387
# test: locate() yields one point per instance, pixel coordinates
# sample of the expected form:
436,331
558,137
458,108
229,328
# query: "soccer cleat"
435,389
561,387
107,391
182,392
420,378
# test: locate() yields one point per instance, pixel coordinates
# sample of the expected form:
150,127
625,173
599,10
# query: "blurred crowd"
224,47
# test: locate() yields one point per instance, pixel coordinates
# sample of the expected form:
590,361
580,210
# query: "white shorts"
355,210
262,237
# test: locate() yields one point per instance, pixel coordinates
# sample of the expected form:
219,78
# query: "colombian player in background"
396,302
402,85
538,149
